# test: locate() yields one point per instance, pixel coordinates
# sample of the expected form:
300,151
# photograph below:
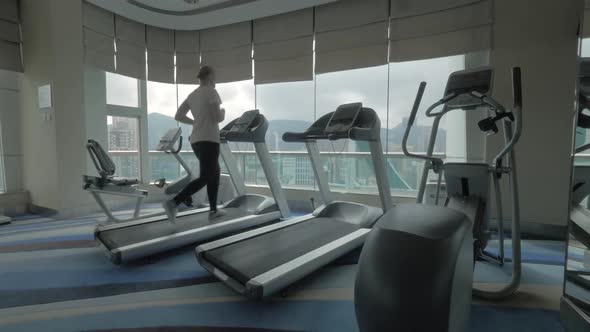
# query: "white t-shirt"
204,105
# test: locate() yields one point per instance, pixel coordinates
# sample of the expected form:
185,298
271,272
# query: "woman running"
204,104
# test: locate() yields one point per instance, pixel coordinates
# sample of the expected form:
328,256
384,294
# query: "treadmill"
260,262
132,240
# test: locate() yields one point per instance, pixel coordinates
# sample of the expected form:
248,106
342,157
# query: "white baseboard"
12,203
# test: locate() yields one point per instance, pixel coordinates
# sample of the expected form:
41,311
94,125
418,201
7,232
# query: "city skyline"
347,172
292,106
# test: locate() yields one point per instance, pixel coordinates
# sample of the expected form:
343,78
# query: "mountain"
276,129
418,139
159,123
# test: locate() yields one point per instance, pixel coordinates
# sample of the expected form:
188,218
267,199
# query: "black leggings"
208,155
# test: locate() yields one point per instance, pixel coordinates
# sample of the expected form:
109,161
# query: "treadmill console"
343,118
464,82
244,122
169,139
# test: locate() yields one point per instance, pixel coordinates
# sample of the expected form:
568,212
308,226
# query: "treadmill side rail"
276,279
281,276
236,285
148,219
161,244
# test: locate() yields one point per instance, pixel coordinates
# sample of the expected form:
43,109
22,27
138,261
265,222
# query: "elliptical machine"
418,260
468,184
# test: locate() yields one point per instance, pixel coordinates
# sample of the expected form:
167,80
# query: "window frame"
140,114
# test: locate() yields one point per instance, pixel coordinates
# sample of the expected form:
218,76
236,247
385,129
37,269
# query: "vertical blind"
99,37
130,36
283,47
187,56
10,55
422,29
160,58
351,34
586,23
229,50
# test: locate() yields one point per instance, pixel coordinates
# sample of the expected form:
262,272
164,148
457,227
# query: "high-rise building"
303,171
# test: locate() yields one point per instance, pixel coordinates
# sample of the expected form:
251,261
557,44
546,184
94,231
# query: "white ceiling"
179,5
180,15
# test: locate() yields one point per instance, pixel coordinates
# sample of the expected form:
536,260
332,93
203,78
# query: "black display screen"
343,118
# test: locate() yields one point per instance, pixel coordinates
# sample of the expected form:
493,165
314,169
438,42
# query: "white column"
544,45
11,154
145,165
95,105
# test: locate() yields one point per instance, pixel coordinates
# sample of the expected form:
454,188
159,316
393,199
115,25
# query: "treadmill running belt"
250,258
119,237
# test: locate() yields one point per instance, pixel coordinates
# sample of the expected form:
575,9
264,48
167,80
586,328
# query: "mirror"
575,308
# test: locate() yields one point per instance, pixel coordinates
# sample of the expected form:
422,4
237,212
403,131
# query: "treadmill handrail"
301,137
354,133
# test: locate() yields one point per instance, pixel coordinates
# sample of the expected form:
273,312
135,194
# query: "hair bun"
204,72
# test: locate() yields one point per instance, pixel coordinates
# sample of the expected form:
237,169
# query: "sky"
295,100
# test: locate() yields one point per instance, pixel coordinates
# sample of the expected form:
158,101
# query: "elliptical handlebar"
177,150
517,113
443,101
514,116
435,161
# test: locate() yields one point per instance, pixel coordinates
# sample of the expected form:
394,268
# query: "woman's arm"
181,114
218,111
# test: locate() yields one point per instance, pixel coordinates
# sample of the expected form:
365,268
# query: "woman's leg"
200,150
213,183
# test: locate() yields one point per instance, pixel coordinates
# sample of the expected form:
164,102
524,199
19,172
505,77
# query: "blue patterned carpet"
55,278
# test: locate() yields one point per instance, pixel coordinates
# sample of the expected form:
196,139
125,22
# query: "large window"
123,136
187,152
288,107
293,106
122,90
123,130
236,98
404,78
162,102
366,85
184,90
349,164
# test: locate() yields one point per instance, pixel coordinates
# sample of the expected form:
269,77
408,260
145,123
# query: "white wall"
38,137
68,95
10,118
95,107
540,37
54,153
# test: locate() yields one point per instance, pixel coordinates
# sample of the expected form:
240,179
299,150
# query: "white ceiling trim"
234,14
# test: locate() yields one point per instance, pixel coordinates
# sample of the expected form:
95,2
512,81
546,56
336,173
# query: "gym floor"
57,279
